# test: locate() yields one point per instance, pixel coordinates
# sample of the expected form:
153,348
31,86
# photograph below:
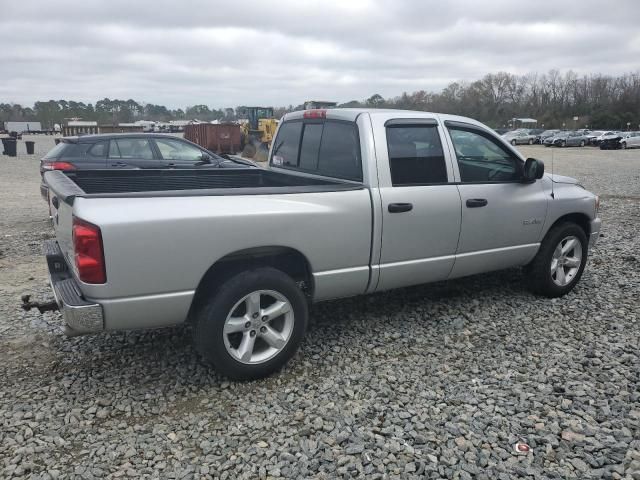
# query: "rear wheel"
558,265
530,142
252,325
513,142
623,145
582,143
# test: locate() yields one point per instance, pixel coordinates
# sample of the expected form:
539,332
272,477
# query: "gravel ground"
436,381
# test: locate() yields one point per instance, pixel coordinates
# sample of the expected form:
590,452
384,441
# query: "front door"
420,204
502,217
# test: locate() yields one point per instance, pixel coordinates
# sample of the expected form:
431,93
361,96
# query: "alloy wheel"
566,261
258,327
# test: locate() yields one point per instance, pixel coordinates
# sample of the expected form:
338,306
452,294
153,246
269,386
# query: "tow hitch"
42,307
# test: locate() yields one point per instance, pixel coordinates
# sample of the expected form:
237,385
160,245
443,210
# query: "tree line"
553,98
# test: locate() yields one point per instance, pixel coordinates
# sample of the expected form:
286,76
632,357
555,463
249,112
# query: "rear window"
65,149
287,145
56,151
331,149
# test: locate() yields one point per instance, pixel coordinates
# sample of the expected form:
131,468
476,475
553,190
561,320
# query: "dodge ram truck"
354,201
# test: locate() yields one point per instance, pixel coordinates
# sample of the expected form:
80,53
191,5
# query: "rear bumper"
80,316
595,226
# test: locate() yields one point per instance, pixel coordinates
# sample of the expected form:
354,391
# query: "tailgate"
62,193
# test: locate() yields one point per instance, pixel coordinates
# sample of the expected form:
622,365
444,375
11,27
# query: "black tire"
514,143
623,145
530,142
563,143
582,143
209,322
539,270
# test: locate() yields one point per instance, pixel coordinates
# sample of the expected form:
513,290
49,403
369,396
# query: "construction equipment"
257,131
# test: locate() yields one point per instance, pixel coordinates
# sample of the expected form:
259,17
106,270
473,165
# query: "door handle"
477,202
119,164
400,207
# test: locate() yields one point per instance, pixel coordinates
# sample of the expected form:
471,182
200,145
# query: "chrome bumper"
594,228
80,316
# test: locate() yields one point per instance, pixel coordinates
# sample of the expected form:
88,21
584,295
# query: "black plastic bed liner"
184,182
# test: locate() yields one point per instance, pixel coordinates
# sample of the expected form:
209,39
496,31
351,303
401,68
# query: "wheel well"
288,260
579,219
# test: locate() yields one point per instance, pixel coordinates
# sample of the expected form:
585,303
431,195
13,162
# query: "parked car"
546,134
630,140
619,140
566,139
123,151
592,135
608,135
519,138
241,254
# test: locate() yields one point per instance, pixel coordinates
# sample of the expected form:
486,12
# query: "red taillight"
315,114
64,166
87,244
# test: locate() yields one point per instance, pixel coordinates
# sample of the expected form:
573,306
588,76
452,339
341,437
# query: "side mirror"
533,170
205,158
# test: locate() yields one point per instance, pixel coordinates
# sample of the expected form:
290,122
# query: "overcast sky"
228,53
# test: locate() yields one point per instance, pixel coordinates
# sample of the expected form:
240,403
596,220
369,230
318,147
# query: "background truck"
354,202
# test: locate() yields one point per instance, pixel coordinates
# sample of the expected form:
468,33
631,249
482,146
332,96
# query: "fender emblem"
532,221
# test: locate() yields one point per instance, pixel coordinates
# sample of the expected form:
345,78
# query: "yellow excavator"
257,131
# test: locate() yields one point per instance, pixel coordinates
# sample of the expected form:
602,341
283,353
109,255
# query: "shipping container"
218,138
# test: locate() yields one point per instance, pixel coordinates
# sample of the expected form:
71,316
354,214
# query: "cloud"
233,53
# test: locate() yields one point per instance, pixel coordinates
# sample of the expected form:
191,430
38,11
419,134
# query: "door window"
131,148
415,155
98,150
177,150
482,159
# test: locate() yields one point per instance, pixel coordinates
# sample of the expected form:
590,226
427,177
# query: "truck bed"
149,183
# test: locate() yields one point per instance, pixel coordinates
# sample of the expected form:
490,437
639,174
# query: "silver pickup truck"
353,202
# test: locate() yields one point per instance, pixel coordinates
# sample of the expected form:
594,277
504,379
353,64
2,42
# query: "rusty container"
218,138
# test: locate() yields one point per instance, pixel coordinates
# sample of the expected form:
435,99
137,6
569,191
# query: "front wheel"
558,265
530,142
624,145
582,143
513,142
252,325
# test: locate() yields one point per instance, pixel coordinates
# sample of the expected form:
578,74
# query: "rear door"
175,153
420,202
133,152
96,156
